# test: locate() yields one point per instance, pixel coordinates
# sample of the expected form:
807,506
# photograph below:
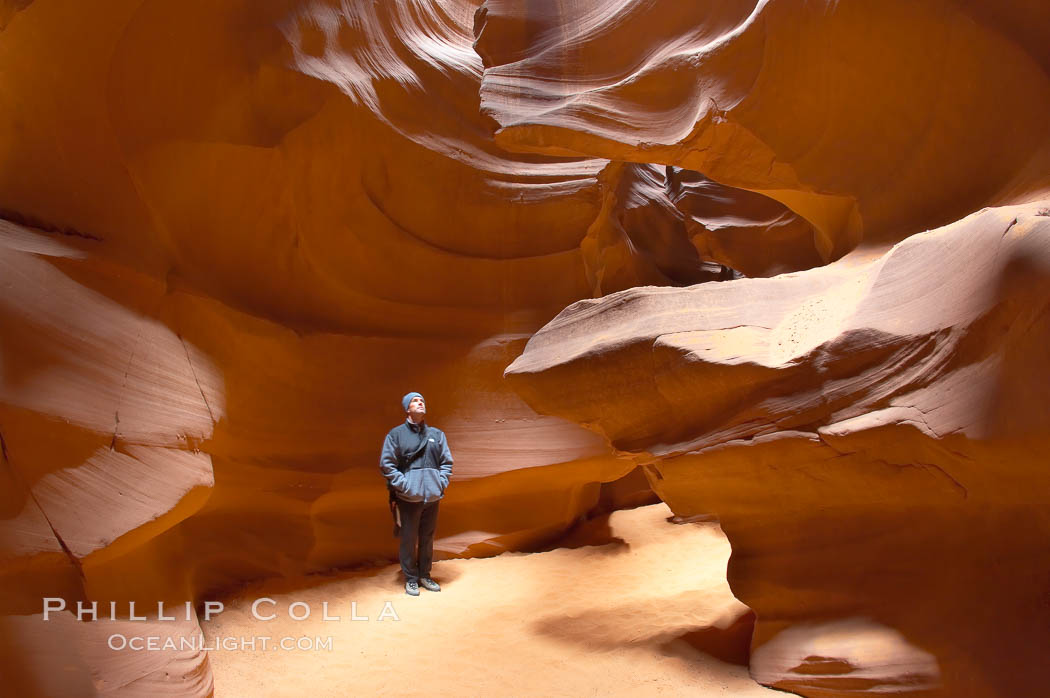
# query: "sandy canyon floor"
643,609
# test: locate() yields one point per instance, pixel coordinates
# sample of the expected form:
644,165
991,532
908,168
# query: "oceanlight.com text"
119,642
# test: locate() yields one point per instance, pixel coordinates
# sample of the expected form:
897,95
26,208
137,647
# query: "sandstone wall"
870,433
237,232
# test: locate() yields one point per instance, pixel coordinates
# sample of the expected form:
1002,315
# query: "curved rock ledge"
870,435
872,125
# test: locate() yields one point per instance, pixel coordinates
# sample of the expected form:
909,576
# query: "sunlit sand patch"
651,615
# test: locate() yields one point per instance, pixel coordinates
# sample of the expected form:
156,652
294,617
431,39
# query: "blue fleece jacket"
427,476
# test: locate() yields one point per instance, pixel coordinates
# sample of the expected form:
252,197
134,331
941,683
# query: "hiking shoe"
412,587
429,584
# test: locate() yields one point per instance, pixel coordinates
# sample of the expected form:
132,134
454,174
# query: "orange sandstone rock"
247,228
871,125
235,258
863,430
869,434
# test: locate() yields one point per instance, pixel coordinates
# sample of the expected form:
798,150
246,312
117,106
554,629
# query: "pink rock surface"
870,436
241,226
868,432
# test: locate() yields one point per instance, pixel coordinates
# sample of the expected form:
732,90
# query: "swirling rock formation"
869,435
869,124
244,229
232,261
868,432
103,411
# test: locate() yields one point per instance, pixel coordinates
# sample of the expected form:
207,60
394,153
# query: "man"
417,466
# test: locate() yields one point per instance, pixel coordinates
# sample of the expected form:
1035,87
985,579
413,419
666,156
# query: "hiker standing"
417,466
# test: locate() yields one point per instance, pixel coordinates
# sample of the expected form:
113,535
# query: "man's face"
417,406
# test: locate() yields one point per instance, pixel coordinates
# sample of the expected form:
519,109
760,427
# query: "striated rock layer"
870,432
240,231
159,445
871,123
245,231
870,435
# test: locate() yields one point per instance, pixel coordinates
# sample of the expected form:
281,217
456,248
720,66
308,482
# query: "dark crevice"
32,222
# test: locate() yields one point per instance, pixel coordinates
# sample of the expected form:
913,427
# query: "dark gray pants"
418,523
